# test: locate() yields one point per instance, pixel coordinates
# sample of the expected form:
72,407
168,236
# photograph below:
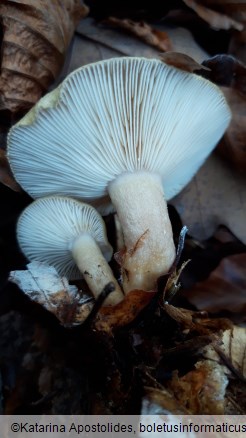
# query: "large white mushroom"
131,128
71,236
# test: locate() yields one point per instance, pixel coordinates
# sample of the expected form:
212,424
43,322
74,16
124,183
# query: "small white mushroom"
70,236
131,128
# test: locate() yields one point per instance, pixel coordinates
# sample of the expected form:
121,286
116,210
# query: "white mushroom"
132,128
70,236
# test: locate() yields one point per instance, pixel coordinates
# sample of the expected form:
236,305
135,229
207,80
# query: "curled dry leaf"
224,289
144,31
173,285
217,20
204,389
229,351
201,391
226,70
182,61
124,312
161,401
198,322
227,15
36,36
42,284
232,351
97,42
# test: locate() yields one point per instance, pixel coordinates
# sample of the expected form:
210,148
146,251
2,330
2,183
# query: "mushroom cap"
47,228
115,116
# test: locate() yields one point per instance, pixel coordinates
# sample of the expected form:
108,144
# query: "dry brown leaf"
216,196
144,31
201,391
225,14
228,71
182,61
124,312
229,350
217,20
237,46
237,11
196,321
224,289
234,348
42,284
6,174
93,43
35,39
204,389
172,279
233,146
161,401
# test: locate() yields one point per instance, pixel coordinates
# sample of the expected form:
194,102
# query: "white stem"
119,233
140,204
95,269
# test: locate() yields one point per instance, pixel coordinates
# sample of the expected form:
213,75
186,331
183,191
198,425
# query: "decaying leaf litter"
168,351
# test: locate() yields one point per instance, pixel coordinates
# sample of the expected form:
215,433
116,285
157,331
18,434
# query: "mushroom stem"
96,271
140,204
120,243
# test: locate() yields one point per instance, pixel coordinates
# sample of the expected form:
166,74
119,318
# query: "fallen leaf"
224,289
229,352
93,42
215,196
161,401
227,15
182,61
237,11
216,20
223,235
237,43
35,39
124,312
201,391
6,176
197,322
234,348
227,71
204,389
173,285
233,145
42,284
144,31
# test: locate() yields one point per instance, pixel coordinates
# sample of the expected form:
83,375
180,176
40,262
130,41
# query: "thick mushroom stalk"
139,201
71,236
